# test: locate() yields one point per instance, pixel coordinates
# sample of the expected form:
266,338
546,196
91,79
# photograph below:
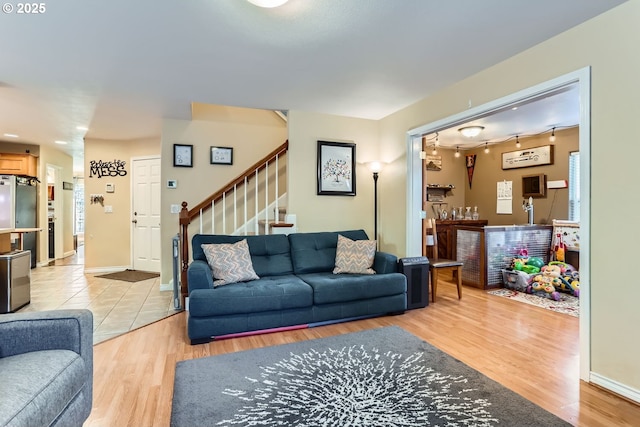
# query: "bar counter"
485,251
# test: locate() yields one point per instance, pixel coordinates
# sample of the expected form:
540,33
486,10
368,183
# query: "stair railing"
220,197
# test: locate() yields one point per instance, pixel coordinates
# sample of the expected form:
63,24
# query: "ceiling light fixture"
84,128
552,138
435,151
268,3
437,141
61,142
486,148
11,135
457,152
518,142
471,131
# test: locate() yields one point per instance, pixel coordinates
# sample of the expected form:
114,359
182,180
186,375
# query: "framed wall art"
183,155
336,168
536,156
221,156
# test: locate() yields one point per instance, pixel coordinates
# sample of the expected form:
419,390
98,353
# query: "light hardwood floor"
530,350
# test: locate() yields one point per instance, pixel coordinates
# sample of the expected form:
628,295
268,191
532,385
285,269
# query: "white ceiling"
119,67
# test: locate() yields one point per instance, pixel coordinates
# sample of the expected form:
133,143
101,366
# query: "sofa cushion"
265,294
270,254
332,288
316,252
230,262
37,386
354,256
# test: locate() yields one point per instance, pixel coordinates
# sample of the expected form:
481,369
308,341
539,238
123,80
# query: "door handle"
135,221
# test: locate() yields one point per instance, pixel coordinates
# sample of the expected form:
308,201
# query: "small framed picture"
183,155
221,155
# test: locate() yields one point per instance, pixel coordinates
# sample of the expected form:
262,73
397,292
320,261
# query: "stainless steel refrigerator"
19,208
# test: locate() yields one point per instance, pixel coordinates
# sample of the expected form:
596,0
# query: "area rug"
379,377
130,275
568,304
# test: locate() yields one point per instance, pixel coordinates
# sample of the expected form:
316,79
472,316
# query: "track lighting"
437,144
517,142
435,151
552,138
486,148
457,152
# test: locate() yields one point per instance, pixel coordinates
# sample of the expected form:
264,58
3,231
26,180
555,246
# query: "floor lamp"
375,167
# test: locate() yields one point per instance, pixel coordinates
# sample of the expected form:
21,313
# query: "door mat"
130,275
568,304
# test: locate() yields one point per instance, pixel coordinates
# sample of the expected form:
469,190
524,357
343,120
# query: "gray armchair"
46,368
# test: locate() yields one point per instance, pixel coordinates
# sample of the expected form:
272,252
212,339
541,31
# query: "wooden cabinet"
446,230
18,164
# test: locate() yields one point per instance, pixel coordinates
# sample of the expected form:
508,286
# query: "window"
574,186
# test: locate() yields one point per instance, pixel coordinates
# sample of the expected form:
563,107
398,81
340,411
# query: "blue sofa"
296,286
46,368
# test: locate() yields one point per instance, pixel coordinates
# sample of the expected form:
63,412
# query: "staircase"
246,205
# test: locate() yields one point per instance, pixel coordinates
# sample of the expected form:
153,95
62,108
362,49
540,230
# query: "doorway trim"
414,183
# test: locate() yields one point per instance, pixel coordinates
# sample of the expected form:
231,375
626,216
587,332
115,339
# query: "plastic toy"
570,277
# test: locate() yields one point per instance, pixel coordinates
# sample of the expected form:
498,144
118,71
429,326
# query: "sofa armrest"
70,329
46,330
199,275
385,263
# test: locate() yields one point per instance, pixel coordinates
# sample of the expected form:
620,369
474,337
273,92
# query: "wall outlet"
108,209
175,209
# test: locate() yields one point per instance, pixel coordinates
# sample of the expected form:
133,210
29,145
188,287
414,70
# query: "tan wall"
252,133
488,171
108,235
327,213
604,43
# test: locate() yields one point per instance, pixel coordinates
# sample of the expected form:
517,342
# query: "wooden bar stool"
436,264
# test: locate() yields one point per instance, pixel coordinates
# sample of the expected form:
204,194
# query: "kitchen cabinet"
446,230
18,164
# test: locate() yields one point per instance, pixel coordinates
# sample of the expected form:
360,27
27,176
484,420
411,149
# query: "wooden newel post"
184,250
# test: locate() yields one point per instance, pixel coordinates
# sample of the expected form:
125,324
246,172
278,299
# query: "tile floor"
118,306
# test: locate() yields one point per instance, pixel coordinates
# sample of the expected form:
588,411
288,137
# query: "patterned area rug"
568,304
379,377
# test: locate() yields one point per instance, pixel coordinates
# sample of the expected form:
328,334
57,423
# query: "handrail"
186,215
258,166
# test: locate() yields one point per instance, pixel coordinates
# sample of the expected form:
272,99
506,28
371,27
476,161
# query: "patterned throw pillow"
230,262
354,256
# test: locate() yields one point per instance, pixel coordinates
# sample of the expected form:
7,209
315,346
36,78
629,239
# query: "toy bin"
516,280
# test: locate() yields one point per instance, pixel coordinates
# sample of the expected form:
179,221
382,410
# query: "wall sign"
536,156
100,168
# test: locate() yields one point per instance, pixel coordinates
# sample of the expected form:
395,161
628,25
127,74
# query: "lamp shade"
268,3
375,166
471,131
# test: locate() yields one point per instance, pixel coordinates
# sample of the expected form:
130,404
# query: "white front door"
145,217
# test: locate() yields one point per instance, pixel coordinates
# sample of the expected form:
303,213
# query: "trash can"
416,269
15,280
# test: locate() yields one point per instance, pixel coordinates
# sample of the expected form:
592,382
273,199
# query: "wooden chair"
436,264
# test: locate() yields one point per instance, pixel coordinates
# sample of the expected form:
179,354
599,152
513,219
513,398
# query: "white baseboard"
615,387
166,286
69,253
111,269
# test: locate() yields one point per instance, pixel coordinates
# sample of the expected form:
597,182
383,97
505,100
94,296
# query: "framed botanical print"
183,155
336,168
